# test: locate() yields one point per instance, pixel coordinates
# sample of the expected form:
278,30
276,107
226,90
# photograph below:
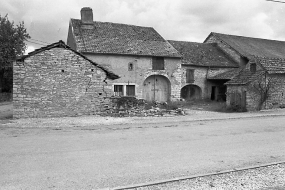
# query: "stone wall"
56,83
276,97
142,68
200,78
252,97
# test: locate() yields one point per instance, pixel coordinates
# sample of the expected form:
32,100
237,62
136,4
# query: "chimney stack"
86,15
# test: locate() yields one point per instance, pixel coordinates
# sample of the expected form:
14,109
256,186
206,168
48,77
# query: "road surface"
85,158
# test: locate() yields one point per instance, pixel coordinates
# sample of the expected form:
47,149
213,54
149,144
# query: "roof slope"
245,77
248,46
61,44
202,54
272,65
268,65
227,75
113,38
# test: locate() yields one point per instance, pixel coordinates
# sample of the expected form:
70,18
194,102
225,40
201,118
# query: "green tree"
12,41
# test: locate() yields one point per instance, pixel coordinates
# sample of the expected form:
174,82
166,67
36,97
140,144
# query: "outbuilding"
56,81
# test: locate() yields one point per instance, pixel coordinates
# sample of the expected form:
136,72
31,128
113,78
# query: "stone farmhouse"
149,66
155,69
205,69
57,81
262,69
79,78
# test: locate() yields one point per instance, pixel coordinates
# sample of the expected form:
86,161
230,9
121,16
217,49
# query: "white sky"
186,20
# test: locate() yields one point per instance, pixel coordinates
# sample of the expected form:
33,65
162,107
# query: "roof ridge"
246,37
117,23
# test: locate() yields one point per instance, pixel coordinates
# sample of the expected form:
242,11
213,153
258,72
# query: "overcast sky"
186,20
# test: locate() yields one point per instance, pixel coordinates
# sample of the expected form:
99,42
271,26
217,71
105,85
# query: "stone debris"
132,107
263,178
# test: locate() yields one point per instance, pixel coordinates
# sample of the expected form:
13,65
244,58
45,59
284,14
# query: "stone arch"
190,92
156,88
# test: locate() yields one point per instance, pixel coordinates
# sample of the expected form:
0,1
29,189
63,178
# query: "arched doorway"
190,92
156,88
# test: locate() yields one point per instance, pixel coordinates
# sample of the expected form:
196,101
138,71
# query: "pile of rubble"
131,107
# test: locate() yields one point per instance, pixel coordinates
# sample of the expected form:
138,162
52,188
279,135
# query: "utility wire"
36,43
39,41
276,1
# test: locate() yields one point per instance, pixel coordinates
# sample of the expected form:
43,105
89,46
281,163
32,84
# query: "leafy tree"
12,41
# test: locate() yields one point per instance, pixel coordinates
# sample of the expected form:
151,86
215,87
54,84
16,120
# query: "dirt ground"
6,110
89,153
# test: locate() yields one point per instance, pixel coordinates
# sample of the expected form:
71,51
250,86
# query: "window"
189,75
131,67
157,63
130,90
252,67
118,90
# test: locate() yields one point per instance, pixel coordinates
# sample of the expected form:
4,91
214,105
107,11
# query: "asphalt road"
81,158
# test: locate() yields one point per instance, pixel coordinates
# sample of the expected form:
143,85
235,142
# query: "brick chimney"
86,15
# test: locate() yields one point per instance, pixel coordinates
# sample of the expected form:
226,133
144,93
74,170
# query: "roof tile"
113,38
202,54
248,46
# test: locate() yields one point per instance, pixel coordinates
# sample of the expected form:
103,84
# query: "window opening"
157,63
253,67
131,66
130,90
189,75
118,90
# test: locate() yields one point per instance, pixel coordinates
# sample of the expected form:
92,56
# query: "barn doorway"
156,88
190,92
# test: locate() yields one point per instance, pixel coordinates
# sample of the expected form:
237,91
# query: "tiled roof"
269,65
61,44
248,46
202,54
245,77
113,38
227,75
272,65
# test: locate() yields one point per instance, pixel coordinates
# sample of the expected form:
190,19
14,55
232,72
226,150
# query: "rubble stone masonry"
56,83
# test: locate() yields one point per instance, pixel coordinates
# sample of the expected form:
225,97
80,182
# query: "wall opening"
156,88
191,92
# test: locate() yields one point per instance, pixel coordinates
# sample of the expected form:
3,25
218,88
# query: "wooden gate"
238,99
156,88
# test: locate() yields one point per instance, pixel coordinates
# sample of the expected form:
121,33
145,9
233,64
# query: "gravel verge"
264,178
98,122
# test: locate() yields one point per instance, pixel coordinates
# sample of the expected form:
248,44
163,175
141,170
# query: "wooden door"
156,88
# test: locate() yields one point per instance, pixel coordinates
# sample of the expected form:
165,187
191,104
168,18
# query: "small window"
131,67
130,90
253,67
118,90
62,71
92,70
157,63
189,75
